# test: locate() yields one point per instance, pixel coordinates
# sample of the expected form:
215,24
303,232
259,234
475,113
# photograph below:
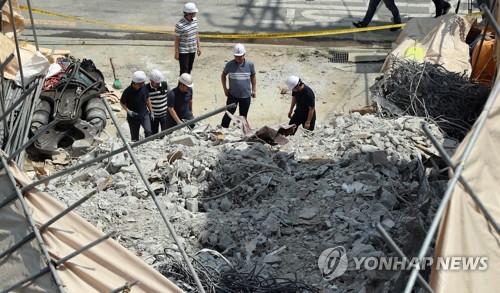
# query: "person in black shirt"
180,102
135,100
303,100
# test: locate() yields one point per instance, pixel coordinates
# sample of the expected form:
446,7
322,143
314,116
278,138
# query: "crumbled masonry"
273,209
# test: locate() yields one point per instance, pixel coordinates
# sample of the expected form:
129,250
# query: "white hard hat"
156,76
186,79
190,8
292,82
139,76
239,50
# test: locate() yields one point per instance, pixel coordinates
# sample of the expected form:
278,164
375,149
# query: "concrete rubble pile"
273,207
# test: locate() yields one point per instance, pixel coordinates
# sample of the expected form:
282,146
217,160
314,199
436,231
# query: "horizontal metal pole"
115,152
42,228
401,254
59,262
29,219
462,180
155,200
478,126
127,287
6,62
31,140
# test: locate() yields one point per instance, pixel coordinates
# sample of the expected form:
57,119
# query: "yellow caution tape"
232,36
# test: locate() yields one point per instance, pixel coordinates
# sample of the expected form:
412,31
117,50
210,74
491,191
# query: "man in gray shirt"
242,82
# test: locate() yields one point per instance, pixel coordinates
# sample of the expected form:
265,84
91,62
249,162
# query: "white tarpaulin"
464,230
101,268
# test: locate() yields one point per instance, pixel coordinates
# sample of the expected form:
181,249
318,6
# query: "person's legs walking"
439,7
394,10
370,12
226,120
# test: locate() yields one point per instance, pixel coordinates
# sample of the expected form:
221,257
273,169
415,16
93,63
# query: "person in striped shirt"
158,90
187,39
242,83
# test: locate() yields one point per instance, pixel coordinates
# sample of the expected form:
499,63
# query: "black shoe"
359,24
446,7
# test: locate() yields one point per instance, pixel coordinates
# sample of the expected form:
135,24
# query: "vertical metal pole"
153,196
464,182
115,152
59,262
32,24
31,222
42,228
17,43
18,101
401,254
454,180
31,140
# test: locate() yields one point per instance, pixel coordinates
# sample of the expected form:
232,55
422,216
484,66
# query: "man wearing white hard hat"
187,40
135,100
242,83
303,100
180,102
158,90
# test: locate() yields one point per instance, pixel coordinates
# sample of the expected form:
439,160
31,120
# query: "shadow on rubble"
272,212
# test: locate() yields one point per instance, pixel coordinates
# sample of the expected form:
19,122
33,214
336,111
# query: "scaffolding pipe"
43,227
464,182
401,254
24,133
32,24
463,160
50,267
59,262
6,62
117,151
31,140
14,31
127,287
18,101
153,196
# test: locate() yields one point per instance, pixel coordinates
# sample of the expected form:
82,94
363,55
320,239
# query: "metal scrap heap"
428,90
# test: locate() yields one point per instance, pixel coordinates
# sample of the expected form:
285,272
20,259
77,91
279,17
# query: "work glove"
152,116
131,113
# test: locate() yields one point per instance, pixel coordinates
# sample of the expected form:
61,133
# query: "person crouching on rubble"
180,102
135,100
303,100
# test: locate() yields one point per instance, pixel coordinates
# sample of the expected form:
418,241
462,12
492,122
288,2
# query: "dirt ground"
338,86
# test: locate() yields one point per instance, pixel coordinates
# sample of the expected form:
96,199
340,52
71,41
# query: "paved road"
224,16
